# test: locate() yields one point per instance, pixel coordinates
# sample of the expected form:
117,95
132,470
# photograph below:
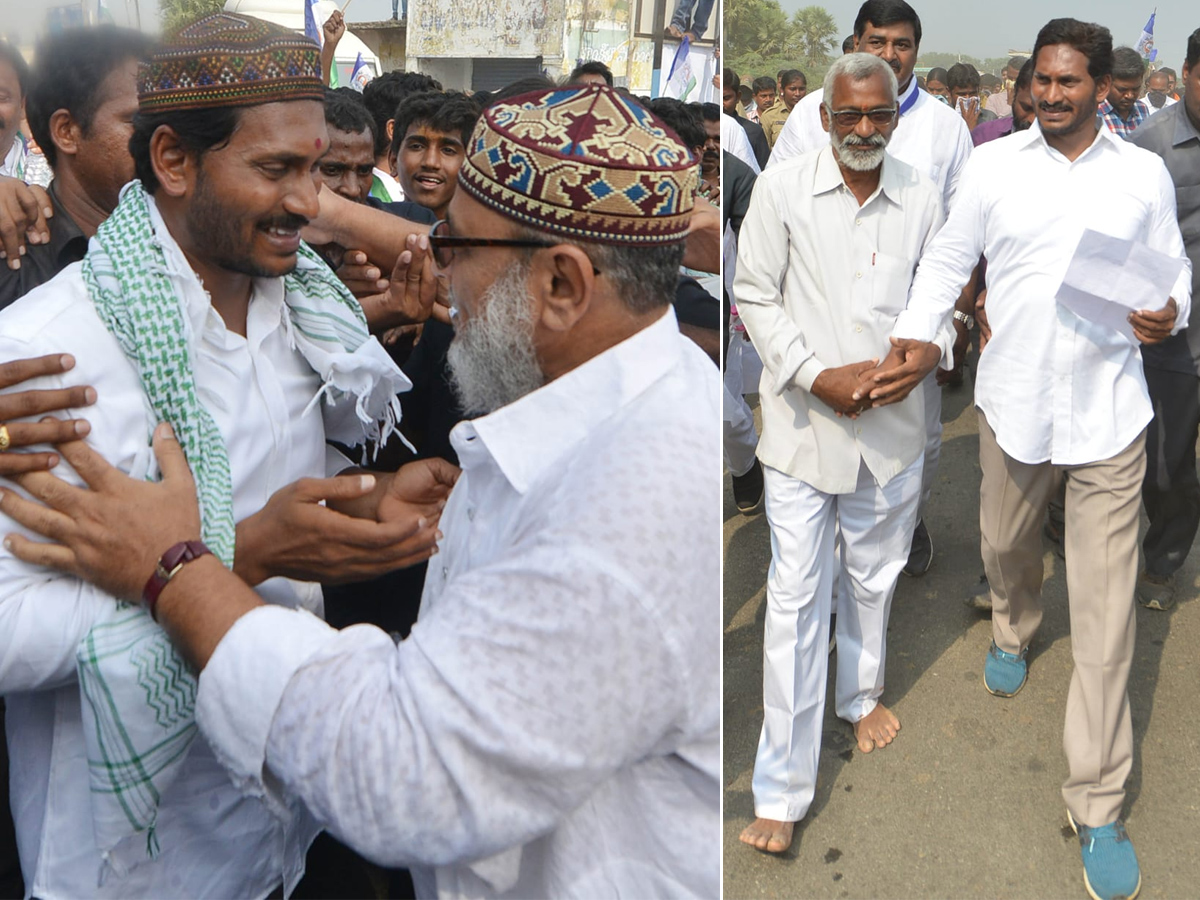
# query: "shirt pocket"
891,277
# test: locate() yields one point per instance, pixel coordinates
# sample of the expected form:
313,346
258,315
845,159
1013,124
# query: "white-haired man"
829,247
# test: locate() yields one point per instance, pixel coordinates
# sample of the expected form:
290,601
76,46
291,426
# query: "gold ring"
5,440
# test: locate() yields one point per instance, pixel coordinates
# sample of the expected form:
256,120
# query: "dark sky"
962,26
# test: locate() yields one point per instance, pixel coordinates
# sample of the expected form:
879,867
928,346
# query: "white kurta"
814,296
551,728
215,842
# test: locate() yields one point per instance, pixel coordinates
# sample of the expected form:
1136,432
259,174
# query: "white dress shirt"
733,139
215,842
820,282
930,137
551,726
1053,386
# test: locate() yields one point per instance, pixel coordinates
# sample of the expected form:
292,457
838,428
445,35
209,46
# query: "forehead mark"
318,143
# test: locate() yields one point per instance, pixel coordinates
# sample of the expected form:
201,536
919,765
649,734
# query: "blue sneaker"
1110,866
1004,673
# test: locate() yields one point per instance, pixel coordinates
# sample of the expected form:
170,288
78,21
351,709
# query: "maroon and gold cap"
583,162
229,60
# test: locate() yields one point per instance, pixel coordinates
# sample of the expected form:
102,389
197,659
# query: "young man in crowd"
430,134
1124,110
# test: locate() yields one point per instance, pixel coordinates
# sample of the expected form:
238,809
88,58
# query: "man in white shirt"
933,139
236,361
827,252
1061,396
551,725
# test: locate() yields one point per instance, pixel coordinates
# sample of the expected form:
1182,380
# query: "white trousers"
933,438
876,527
740,438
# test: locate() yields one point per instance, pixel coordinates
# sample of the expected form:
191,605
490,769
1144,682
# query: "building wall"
495,28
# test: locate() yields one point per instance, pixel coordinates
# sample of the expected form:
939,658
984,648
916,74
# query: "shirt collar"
1184,129
908,95
1034,137
64,231
267,293
828,177
530,435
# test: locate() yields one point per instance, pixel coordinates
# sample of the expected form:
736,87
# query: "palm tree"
814,33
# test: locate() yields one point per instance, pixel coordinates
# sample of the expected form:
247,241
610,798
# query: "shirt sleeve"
958,160
947,264
763,246
495,719
1165,237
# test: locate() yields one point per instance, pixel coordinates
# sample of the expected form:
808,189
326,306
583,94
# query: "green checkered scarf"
139,695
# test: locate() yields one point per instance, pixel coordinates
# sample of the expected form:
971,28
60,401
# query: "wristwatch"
960,316
168,567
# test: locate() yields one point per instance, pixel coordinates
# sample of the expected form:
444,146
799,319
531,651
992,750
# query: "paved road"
966,802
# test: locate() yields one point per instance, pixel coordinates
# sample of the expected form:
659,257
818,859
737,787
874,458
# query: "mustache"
286,222
854,140
1055,107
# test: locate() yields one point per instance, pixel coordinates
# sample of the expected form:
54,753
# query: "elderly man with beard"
197,304
827,252
551,725
932,138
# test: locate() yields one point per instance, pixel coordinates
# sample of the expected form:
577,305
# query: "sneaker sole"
1087,884
751,510
995,693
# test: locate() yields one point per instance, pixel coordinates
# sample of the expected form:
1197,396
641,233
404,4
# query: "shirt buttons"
445,573
858,328
471,513
858,221
858,274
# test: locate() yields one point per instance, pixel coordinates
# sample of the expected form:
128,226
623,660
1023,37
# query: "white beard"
857,160
492,358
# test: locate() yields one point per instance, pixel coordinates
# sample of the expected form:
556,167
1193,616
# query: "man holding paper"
1062,396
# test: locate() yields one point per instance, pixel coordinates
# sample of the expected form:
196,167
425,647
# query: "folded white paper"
1109,278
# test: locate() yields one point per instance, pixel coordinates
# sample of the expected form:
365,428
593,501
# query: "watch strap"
965,318
169,564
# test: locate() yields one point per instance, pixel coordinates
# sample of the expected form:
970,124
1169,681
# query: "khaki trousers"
1102,563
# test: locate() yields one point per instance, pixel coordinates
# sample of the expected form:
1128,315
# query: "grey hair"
858,67
645,275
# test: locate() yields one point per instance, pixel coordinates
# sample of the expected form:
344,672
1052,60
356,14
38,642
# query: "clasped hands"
113,531
852,389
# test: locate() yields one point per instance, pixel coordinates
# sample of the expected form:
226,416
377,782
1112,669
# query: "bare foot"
769,835
878,728
674,33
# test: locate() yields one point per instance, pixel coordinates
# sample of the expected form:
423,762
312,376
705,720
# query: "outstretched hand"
113,532
411,291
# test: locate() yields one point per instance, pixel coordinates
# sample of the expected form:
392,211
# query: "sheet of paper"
1109,278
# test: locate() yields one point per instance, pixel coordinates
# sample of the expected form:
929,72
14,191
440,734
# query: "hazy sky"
963,26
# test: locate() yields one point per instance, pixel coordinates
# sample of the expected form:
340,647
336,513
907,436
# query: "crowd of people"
357,476
889,224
